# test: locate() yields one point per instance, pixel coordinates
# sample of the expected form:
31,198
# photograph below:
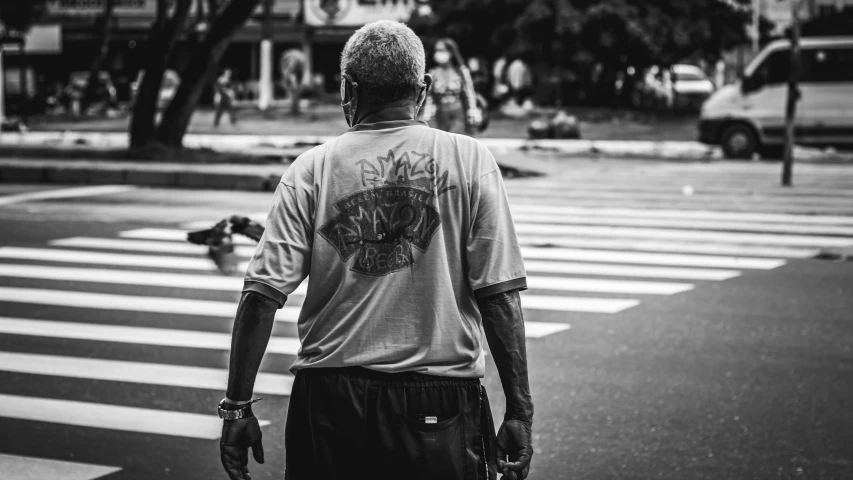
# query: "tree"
19,16
104,25
161,42
202,69
591,40
223,19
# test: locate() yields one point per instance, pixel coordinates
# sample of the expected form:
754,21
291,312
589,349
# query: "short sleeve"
283,257
494,256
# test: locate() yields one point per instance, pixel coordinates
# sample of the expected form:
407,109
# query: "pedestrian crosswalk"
77,307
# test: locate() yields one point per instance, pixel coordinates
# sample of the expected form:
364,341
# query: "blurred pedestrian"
520,80
223,98
452,103
408,239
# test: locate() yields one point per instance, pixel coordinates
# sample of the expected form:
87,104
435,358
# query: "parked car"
749,116
690,86
171,82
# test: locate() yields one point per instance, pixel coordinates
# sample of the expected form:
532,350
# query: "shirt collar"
389,124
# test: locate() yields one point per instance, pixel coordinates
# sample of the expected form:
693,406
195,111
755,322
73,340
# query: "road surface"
678,327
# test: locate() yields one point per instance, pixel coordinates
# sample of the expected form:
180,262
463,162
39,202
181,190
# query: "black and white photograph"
426,239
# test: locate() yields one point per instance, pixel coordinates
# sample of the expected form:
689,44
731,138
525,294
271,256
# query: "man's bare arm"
504,325
249,339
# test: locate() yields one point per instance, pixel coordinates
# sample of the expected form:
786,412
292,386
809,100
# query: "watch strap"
229,411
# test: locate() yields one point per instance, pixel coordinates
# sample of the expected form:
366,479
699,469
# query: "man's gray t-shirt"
401,228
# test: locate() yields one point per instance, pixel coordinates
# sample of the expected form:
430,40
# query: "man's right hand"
515,440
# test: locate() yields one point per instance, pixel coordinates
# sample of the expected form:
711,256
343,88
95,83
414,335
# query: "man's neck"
387,114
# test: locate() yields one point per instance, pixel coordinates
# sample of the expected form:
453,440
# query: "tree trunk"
163,36
105,26
201,70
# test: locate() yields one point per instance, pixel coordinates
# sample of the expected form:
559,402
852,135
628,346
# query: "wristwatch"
230,411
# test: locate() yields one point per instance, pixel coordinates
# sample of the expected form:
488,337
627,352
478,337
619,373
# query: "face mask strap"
420,104
351,106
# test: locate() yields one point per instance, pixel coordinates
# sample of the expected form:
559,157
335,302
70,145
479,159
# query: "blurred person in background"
452,103
520,80
224,97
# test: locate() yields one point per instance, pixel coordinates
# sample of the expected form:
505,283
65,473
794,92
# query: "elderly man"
407,236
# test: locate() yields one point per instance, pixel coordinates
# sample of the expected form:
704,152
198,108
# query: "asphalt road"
718,349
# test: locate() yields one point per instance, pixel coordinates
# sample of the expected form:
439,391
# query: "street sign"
355,13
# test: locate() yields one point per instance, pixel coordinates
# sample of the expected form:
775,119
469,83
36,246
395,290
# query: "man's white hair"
386,59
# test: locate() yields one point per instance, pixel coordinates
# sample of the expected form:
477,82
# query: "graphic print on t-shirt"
382,224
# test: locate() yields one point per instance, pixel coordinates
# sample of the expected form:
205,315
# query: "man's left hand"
237,437
514,440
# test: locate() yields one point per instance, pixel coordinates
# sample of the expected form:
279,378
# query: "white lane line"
672,234
647,258
172,235
149,246
65,193
629,270
576,304
685,214
132,303
543,329
635,244
699,198
685,224
130,277
136,335
102,258
16,467
112,417
136,372
595,285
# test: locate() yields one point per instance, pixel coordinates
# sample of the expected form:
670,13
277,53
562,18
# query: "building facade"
318,27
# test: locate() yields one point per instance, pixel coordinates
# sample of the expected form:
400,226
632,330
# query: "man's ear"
428,84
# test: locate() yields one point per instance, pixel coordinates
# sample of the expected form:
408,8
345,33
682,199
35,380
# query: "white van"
749,116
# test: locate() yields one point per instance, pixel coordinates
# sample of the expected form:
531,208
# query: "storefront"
318,27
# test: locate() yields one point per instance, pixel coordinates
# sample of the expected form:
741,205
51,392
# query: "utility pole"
756,26
265,92
793,95
2,87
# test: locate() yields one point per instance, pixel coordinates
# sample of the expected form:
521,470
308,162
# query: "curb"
242,142
139,177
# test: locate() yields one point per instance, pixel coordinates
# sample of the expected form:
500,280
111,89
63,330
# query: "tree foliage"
19,15
577,37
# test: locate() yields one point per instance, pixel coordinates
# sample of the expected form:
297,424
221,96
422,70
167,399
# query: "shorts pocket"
436,450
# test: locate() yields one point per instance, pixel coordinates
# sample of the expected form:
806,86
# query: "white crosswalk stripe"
112,417
592,249
135,335
16,467
235,284
136,372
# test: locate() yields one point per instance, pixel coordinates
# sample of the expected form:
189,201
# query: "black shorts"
358,423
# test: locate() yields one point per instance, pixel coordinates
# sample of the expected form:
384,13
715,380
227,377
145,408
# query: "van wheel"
739,141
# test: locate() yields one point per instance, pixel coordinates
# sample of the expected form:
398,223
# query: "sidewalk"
596,124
